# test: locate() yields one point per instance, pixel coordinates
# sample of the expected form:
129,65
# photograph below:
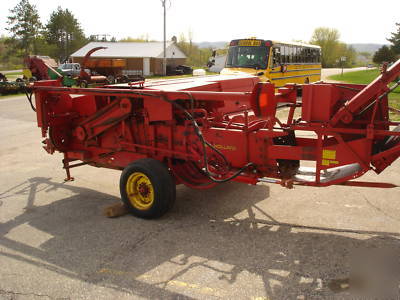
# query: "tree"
328,40
365,54
343,50
25,26
196,56
395,40
9,58
64,31
384,54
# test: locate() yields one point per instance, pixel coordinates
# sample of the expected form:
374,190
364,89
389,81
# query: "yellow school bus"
276,62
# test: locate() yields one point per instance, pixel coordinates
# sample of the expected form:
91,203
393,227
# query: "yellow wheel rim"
140,191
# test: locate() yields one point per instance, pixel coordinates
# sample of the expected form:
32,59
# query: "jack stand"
66,167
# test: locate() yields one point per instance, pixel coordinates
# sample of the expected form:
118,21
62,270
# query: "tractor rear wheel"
83,84
147,188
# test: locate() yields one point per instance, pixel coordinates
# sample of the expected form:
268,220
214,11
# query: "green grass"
13,77
359,77
13,73
11,95
365,77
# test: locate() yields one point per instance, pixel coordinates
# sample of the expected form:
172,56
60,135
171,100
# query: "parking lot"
234,241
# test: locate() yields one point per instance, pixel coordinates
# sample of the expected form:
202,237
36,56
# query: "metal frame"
204,139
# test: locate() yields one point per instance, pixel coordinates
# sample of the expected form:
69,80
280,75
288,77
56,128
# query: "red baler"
207,130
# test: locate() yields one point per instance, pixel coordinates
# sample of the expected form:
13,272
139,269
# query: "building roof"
130,49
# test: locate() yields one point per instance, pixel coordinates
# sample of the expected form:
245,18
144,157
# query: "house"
142,57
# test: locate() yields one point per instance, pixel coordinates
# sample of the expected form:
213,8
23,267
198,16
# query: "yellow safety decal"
327,162
329,154
329,158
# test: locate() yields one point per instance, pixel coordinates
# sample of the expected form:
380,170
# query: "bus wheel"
307,81
147,188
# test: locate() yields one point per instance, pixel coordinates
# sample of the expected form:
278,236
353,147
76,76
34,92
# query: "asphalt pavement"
233,242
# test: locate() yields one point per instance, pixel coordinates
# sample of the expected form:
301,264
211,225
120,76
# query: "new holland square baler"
204,131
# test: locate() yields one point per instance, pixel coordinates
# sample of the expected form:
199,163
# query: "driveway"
233,242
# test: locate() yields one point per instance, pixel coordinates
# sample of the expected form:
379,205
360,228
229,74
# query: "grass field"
10,95
365,77
14,73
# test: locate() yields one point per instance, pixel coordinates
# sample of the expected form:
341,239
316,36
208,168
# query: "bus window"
295,56
292,54
309,55
284,54
315,55
302,54
276,57
298,54
282,51
289,54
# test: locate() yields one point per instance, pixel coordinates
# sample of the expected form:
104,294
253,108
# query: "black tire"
161,182
124,79
111,79
83,84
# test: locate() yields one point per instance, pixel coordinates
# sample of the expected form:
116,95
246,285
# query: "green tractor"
45,68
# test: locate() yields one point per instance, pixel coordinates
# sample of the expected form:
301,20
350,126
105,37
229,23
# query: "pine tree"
64,31
25,26
384,54
395,40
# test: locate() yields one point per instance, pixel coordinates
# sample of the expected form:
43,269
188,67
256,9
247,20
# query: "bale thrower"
204,131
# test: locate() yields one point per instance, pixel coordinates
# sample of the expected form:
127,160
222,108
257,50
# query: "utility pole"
165,41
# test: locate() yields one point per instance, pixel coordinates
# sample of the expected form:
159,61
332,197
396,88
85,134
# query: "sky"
223,20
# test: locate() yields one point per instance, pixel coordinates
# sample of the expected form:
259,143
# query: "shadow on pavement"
200,235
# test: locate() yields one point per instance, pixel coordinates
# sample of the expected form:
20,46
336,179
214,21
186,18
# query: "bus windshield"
255,57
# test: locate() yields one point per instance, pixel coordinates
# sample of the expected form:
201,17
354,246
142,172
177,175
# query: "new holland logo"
225,147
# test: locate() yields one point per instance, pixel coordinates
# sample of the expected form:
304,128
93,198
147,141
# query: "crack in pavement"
377,208
2,291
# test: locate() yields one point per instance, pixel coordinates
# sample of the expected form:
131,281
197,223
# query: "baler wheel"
147,188
59,137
